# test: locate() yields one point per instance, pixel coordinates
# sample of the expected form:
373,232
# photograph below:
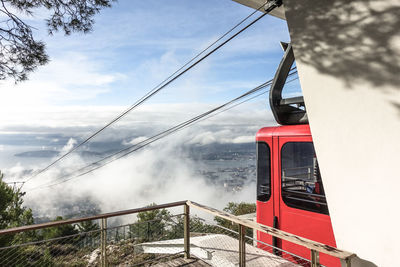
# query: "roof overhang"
277,12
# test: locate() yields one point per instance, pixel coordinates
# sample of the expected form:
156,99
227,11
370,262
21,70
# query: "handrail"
96,217
313,245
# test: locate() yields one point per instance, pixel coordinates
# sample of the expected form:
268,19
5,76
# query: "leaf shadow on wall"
353,41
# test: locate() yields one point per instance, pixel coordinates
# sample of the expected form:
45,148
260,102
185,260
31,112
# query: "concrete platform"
217,250
180,262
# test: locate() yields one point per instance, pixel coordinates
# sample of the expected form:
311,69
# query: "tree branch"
20,52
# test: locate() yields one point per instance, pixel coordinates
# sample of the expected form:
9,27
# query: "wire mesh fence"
62,251
131,244
123,245
219,246
157,238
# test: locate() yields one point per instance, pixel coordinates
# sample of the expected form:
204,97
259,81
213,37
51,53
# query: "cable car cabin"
290,191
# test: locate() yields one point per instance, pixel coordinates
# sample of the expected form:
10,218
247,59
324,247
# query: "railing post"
186,230
103,255
348,262
242,245
148,231
315,258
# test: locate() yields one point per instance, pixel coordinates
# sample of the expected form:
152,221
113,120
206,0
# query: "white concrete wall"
348,58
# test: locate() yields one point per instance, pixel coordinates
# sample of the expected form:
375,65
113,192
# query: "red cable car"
290,192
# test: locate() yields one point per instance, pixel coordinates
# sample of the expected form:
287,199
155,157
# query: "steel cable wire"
126,151
166,82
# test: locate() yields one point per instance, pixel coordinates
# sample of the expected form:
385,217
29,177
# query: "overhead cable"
168,80
126,151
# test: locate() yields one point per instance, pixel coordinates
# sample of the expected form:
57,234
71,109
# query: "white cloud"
142,52
71,143
68,78
151,175
16,170
243,139
203,138
147,120
136,140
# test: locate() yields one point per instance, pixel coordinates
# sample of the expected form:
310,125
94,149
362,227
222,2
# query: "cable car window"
302,186
263,172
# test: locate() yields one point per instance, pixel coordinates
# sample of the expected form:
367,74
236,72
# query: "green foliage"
87,226
20,53
197,226
240,208
159,224
13,214
236,209
159,214
59,231
150,224
30,256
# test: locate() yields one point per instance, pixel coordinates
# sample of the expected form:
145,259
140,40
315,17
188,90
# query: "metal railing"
139,242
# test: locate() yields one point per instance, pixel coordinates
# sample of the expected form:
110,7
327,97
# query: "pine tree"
236,209
20,53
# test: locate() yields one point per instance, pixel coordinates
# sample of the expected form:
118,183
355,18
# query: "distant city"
227,166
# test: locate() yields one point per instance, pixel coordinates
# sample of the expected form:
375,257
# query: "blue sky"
135,45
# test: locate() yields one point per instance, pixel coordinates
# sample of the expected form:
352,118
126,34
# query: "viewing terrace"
174,234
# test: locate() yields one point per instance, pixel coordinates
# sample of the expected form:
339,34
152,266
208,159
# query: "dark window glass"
301,180
263,172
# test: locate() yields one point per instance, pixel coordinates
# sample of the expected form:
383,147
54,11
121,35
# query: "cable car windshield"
302,186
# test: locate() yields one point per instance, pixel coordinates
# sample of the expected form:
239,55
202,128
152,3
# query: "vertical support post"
242,245
186,230
315,258
103,255
148,231
348,262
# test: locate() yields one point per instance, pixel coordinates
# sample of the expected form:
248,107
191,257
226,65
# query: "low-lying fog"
211,163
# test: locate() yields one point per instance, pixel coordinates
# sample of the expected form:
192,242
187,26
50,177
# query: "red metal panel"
311,225
277,185
265,216
288,130
265,210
